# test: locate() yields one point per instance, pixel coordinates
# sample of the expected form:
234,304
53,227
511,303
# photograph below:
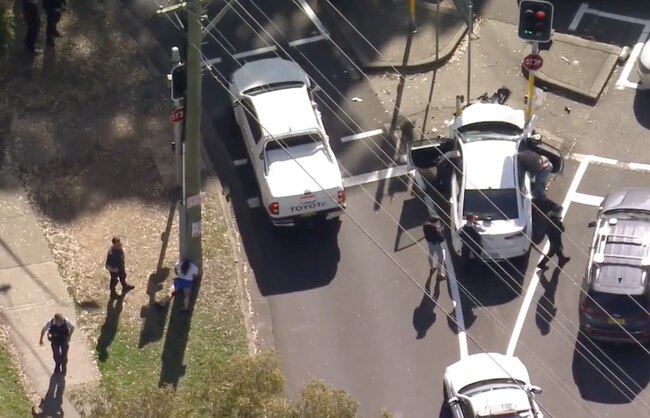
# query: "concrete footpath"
32,291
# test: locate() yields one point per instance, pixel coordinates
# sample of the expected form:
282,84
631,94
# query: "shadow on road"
109,328
546,308
52,404
424,315
609,373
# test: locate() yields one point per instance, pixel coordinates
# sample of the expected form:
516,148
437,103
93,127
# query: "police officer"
470,236
554,230
32,20
59,331
115,266
53,9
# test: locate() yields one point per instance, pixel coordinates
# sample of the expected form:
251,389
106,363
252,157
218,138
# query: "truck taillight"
341,196
274,208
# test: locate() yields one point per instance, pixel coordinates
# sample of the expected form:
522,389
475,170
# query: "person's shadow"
109,328
424,315
546,309
51,404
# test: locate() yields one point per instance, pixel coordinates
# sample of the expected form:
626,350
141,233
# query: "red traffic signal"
535,20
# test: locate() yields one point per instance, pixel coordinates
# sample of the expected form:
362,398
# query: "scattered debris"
568,61
357,99
567,109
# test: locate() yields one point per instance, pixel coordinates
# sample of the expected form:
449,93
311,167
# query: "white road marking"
258,51
587,199
534,281
615,16
594,159
240,162
455,297
384,174
578,17
212,61
253,202
309,40
624,79
312,16
362,135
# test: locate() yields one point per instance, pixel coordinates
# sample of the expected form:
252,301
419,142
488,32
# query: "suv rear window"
625,305
496,204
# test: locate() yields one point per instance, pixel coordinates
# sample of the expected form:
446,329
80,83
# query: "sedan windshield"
490,131
491,204
293,141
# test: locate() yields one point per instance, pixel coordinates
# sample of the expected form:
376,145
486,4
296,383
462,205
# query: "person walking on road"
186,272
554,230
53,10
32,19
115,266
59,332
539,167
434,234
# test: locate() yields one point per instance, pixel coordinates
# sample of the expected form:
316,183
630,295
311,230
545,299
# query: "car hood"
485,366
307,169
627,198
501,401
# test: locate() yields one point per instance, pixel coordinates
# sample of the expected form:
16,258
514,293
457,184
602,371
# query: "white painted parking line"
594,159
378,175
362,135
253,202
578,17
624,79
309,40
587,199
258,51
534,281
312,16
240,162
616,16
211,61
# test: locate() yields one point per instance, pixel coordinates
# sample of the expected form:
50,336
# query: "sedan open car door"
551,149
425,157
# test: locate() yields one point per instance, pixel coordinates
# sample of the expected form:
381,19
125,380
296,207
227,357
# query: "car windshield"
487,385
626,214
624,305
484,131
272,86
491,204
293,141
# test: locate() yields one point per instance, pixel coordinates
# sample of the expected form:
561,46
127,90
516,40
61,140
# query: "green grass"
13,402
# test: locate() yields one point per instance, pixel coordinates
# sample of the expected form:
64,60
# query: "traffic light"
179,82
535,20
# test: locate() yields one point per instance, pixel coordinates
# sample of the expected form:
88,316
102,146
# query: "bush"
6,27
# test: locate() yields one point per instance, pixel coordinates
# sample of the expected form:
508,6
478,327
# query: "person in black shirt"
32,20
59,332
53,9
434,234
554,229
471,238
115,266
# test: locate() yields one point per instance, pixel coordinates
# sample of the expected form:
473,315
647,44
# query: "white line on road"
309,40
240,162
623,79
578,17
258,51
594,159
362,135
378,175
616,16
587,199
312,16
534,281
212,61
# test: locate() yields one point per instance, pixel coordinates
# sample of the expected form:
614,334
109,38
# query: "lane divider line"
603,161
312,16
309,40
534,281
362,135
578,16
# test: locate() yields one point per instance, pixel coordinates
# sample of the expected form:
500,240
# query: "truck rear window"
293,141
624,305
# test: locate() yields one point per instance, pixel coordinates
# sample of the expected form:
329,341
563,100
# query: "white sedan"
490,385
487,180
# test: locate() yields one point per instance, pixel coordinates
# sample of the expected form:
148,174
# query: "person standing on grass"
115,266
434,234
59,332
186,272
32,19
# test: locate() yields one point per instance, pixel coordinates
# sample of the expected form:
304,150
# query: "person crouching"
186,272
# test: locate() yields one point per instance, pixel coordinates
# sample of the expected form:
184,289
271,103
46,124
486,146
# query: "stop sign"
533,62
177,115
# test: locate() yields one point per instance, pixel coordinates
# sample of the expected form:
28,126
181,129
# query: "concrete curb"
158,61
359,48
589,95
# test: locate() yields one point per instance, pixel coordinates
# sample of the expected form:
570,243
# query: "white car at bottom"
297,172
487,180
490,385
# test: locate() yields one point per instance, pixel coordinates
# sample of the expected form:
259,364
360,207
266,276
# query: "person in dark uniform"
59,332
470,236
434,234
554,230
53,9
32,20
115,266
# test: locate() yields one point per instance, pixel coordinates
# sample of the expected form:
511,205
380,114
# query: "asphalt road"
346,300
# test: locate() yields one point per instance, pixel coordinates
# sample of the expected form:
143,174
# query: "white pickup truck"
297,172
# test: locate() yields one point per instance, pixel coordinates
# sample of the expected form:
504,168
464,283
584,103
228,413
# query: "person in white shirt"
186,272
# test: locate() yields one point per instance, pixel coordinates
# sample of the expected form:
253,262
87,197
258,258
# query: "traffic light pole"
192,144
530,96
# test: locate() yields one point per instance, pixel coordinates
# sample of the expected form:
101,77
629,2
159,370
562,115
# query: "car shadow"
641,106
610,373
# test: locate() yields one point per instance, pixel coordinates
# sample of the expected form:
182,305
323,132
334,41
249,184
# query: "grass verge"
13,401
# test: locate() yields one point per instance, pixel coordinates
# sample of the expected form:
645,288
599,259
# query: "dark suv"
615,297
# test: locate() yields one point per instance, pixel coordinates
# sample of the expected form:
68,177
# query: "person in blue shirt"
186,272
